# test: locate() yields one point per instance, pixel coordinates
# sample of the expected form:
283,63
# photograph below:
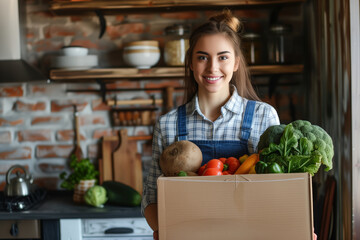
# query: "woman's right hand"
156,235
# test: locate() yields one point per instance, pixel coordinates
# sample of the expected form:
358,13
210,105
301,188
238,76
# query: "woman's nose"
213,65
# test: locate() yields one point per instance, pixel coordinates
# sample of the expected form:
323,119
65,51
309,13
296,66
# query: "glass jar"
252,48
176,45
280,44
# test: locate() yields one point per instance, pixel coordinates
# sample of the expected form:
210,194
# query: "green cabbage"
96,196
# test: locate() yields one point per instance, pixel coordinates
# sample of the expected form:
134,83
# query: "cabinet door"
15,229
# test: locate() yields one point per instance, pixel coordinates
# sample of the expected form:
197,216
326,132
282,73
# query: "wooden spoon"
77,150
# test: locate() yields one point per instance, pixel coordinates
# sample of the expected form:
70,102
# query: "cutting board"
121,161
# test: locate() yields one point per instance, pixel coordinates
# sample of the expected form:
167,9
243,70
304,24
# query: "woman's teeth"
212,78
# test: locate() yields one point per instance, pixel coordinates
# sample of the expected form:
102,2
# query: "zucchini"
121,194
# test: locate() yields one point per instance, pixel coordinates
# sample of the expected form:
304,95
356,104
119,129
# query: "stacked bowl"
142,54
75,58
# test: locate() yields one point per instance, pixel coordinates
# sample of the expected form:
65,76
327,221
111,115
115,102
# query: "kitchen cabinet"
24,229
45,217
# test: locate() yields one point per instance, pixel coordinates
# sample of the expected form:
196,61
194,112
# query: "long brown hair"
224,23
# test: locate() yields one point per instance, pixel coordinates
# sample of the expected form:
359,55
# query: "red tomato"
226,173
215,163
233,164
201,170
212,172
222,160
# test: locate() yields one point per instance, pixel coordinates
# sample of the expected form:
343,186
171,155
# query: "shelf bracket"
102,22
102,89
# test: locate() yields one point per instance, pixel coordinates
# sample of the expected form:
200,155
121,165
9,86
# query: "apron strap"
181,123
247,121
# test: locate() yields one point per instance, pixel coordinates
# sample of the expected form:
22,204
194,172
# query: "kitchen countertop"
59,205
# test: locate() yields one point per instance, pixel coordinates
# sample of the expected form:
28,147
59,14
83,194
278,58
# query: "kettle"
19,185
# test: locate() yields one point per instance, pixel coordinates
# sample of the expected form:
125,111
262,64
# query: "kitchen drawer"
15,229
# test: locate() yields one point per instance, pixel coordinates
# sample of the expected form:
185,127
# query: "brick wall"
37,121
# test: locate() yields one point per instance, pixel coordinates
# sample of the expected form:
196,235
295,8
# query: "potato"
180,156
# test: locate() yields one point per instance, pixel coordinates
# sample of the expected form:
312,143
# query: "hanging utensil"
77,148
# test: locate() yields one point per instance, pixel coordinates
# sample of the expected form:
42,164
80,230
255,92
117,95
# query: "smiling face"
213,64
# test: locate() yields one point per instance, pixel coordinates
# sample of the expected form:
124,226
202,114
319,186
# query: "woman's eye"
223,57
202,57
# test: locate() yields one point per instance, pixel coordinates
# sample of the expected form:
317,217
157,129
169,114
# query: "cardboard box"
250,207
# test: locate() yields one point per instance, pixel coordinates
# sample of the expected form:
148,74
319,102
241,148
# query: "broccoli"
300,145
271,135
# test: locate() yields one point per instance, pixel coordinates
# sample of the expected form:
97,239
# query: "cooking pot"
19,185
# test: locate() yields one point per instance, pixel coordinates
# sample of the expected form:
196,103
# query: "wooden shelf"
66,7
166,72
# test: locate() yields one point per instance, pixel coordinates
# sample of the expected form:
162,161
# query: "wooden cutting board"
121,161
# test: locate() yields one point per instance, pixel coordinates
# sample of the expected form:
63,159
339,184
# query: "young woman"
222,114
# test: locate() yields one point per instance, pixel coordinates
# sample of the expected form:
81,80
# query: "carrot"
247,164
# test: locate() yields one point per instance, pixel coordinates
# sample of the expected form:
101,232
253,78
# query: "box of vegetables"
267,195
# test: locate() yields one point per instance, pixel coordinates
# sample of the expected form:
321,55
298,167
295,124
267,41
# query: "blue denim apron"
224,148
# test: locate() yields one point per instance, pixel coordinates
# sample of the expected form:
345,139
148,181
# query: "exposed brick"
82,86
45,120
76,18
50,183
119,18
93,151
34,135
85,42
4,168
180,15
31,33
99,105
104,132
46,90
21,106
54,151
5,137
53,31
88,43
67,105
2,185
46,45
67,135
11,91
15,153
162,84
51,167
143,17
39,17
91,120
119,31
11,121
124,84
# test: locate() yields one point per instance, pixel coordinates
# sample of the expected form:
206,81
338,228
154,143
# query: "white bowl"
74,51
141,58
75,62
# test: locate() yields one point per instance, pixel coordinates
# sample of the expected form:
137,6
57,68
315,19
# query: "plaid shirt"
226,127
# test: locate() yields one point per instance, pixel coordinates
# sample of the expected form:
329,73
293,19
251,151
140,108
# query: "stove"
22,203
